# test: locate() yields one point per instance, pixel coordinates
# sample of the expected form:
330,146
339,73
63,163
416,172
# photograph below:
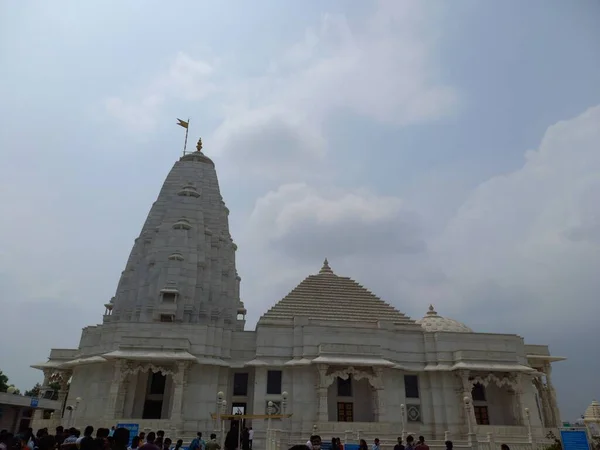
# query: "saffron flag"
182,123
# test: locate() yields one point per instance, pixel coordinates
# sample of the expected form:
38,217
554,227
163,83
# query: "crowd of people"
120,439
315,443
104,439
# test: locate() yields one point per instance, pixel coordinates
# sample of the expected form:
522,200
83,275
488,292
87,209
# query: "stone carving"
132,369
500,382
344,374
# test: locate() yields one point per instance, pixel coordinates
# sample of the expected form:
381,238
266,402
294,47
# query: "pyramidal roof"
329,296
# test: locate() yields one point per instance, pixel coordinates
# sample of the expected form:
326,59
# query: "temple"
172,351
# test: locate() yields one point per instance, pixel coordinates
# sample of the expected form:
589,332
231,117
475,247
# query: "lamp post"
467,401
223,411
528,419
270,405
403,416
220,396
284,421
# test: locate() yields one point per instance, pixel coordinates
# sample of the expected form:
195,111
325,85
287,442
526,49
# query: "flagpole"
186,135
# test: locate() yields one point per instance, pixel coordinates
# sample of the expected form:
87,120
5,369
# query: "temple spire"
326,268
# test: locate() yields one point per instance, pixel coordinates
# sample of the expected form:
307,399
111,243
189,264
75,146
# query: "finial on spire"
432,311
199,145
326,268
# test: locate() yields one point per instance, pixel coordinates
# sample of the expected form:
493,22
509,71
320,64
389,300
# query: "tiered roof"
329,296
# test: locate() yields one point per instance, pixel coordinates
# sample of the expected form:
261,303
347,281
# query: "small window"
344,388
481,415
240,384
169,297
166,317
411,386
274,382
478,393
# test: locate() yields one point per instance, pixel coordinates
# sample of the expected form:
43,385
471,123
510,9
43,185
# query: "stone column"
64,388
322,412
122,396
552,396
113,393
518,387
467,387
379,395
179,382
543,398
39,413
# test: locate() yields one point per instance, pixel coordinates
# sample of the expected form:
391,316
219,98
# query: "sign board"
574,439
134,429
34,402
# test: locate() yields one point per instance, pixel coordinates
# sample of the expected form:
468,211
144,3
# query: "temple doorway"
350,400
155,393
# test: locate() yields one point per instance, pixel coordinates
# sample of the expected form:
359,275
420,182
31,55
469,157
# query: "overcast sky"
437,152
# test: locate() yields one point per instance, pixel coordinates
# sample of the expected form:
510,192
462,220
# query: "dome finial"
326,268
432,311
199,145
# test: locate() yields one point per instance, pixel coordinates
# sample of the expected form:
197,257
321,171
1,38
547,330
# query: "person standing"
250,436
421,445
150,442
213,444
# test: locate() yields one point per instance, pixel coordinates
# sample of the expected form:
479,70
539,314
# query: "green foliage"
3,382
35,391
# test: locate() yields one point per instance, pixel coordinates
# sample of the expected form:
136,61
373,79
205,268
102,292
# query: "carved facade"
331,353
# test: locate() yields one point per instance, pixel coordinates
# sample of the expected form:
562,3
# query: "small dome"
592,413
432,322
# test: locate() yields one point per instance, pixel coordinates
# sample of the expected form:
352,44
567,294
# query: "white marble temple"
173,336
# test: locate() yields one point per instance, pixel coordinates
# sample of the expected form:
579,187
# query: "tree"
3,382
35,391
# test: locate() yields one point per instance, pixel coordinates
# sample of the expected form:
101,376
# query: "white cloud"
535,229
380,66
307,224
185,79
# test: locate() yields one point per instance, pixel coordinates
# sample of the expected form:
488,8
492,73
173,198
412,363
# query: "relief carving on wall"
327,377
131,368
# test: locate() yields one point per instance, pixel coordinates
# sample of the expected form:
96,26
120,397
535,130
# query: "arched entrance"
349,394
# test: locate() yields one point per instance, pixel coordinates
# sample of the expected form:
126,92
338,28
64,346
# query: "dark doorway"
155,392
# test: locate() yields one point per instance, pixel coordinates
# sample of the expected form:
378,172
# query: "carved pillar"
322,412
113,393
39,413
64,390
378,395
518,388
552,396
467,387
179,382
122,394
543,397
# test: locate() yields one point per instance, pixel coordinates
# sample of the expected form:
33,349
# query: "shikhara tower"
331,353
182,266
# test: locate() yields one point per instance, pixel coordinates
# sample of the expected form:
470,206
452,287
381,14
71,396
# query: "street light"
223,411
220,396
270,405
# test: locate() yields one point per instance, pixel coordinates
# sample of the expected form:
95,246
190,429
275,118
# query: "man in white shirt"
250,436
